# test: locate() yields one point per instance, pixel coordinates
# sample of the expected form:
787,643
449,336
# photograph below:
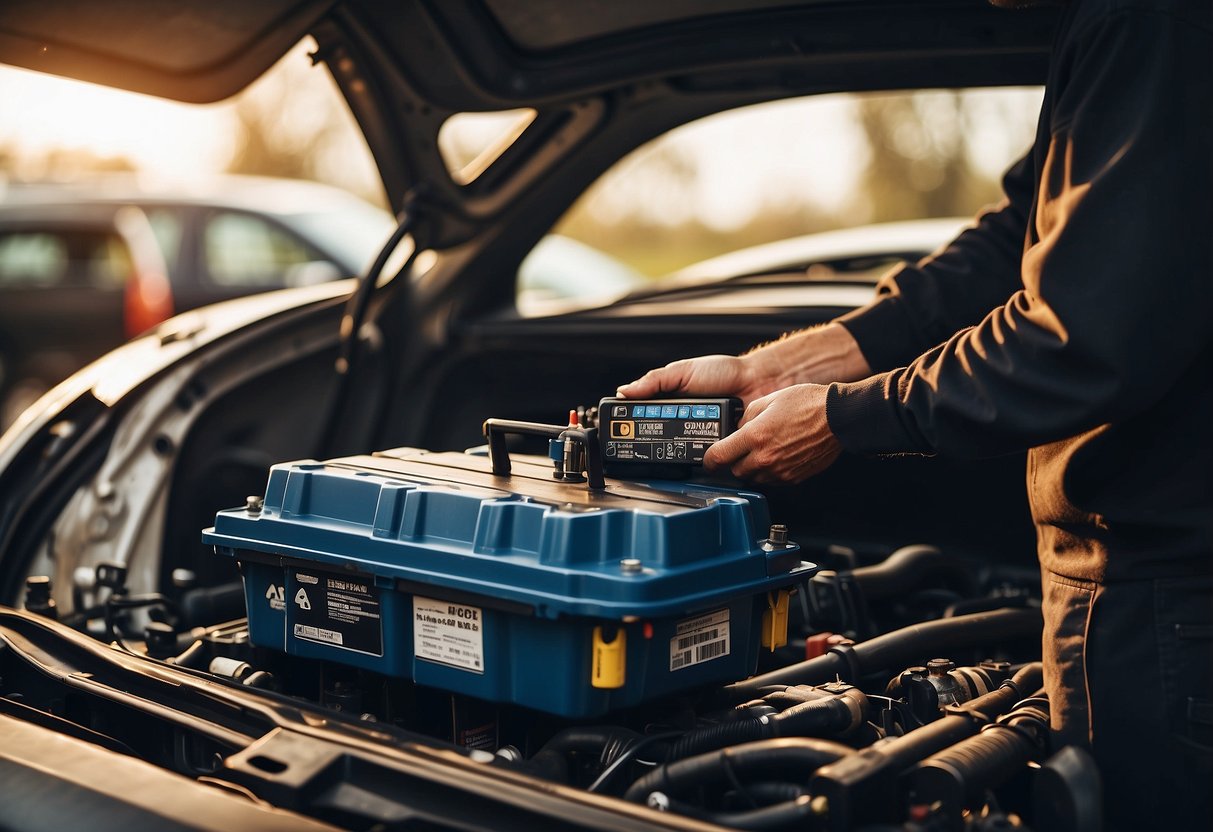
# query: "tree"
920,164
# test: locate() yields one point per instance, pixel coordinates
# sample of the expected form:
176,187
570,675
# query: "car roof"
266,195
58,215
909,238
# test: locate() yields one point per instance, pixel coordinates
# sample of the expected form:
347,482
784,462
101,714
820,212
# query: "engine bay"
664,642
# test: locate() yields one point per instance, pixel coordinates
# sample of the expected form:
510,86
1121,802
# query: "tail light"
148,301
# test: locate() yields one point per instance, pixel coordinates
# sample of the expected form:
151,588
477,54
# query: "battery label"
700,639
679,431
450,634
338,611
661,441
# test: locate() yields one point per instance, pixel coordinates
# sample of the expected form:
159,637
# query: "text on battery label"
336,611
448,633
700,639
318,634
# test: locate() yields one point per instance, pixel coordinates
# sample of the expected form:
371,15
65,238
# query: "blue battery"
516,589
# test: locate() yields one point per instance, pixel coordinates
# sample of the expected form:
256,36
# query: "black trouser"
1129,672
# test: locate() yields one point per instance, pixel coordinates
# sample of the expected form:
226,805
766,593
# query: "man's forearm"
818,355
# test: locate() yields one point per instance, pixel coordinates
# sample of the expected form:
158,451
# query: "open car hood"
406,67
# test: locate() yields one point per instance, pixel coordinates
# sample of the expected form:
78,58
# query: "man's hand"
708,375
819,355
783,438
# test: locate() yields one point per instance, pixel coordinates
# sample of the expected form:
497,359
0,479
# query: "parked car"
83,267
151,681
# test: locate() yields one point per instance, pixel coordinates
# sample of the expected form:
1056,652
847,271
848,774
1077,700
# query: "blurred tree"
270,138
920,162
59,164
293,123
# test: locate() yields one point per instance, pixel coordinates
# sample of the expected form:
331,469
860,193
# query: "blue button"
669,411
684,411
637,410
652,411
713,411
699,411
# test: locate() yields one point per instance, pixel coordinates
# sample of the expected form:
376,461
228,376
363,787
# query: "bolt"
940,667
778,534
253,504
631,566
38,598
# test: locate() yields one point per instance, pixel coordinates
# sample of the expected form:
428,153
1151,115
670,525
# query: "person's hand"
782,438
819,355
708,375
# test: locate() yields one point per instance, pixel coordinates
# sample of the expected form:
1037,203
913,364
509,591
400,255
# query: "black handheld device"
664,437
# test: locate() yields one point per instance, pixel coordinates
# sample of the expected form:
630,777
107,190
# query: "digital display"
665,432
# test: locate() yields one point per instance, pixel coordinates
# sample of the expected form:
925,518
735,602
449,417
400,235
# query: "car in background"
85,266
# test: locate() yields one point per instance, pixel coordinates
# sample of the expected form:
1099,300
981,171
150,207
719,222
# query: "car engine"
657,640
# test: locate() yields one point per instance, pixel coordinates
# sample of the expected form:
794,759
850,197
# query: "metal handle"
496,430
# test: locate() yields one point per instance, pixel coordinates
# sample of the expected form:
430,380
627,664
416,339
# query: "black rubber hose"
591,738
863,787
965,720
824,717
606,742
211,605
721,735
791,814
766,794
959,776
778,759
897,649
909,567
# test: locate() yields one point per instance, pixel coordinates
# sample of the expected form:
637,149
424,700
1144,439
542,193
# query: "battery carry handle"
496,430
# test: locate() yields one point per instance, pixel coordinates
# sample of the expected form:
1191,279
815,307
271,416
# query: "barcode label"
700,639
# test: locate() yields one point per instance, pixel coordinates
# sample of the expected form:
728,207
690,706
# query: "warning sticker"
450,634
339,611
700,639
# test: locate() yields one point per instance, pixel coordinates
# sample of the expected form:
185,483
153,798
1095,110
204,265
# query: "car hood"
406,67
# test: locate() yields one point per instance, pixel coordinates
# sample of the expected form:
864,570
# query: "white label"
318,634
700,639
450,634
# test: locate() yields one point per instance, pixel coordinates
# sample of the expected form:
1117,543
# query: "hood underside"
206,50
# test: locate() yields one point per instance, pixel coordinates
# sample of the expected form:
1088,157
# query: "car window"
243,250
32,259
167,228
778,171
85,257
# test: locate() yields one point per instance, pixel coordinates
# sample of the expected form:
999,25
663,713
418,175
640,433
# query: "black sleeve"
918,307
1116,294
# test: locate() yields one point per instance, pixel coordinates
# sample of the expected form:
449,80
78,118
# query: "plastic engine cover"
515,588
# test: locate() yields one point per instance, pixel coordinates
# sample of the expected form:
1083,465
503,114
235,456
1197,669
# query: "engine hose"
828,716
959,776
777,759
766,794
897,649
908,567
607,742
790,814
863,787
